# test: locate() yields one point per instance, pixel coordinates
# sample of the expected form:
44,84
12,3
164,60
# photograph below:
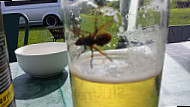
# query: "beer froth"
124,67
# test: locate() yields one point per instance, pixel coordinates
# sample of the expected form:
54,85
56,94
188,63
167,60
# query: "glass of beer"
116,51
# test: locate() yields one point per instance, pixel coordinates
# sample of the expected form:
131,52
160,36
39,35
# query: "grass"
152,18
37,34
179,16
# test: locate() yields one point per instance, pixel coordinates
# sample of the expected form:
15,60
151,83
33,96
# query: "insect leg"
95,27
99,50
95,23
82,51
91,57
76,31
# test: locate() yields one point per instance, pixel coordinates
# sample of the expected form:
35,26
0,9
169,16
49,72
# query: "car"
39,12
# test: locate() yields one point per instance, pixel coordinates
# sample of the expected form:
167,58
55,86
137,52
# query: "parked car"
39,12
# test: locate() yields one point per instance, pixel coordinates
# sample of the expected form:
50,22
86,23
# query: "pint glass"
116,51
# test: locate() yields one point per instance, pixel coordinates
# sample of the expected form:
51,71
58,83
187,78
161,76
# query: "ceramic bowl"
43,59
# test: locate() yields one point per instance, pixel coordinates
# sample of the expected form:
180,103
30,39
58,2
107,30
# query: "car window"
17,3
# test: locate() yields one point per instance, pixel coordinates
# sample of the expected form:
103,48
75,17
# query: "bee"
99,37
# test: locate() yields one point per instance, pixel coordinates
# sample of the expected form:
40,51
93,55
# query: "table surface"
40,92
55,91
54,27
175,86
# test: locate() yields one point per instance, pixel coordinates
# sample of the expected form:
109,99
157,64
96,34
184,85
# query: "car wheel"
51,20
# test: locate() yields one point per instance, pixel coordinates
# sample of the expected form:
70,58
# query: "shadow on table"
180,54
28,87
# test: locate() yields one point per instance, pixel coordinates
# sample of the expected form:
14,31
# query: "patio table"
57,32
41,92
175,86
56,91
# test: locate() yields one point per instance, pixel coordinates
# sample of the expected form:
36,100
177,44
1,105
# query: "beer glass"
116,51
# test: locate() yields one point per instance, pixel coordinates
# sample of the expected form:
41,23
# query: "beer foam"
128,65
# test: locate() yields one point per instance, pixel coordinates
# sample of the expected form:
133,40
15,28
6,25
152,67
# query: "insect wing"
104,27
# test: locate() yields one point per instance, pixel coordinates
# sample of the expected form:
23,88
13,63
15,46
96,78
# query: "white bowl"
43,59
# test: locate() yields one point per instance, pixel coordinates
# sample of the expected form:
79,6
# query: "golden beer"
120,83
133,94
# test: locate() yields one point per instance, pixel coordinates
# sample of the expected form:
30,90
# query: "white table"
175,88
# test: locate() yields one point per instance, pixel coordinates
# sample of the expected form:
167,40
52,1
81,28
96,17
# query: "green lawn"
37,34
179,16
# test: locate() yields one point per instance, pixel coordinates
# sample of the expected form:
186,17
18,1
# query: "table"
56,92
175,88
41,92
57,32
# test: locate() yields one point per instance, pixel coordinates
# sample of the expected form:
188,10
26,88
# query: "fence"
178,33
